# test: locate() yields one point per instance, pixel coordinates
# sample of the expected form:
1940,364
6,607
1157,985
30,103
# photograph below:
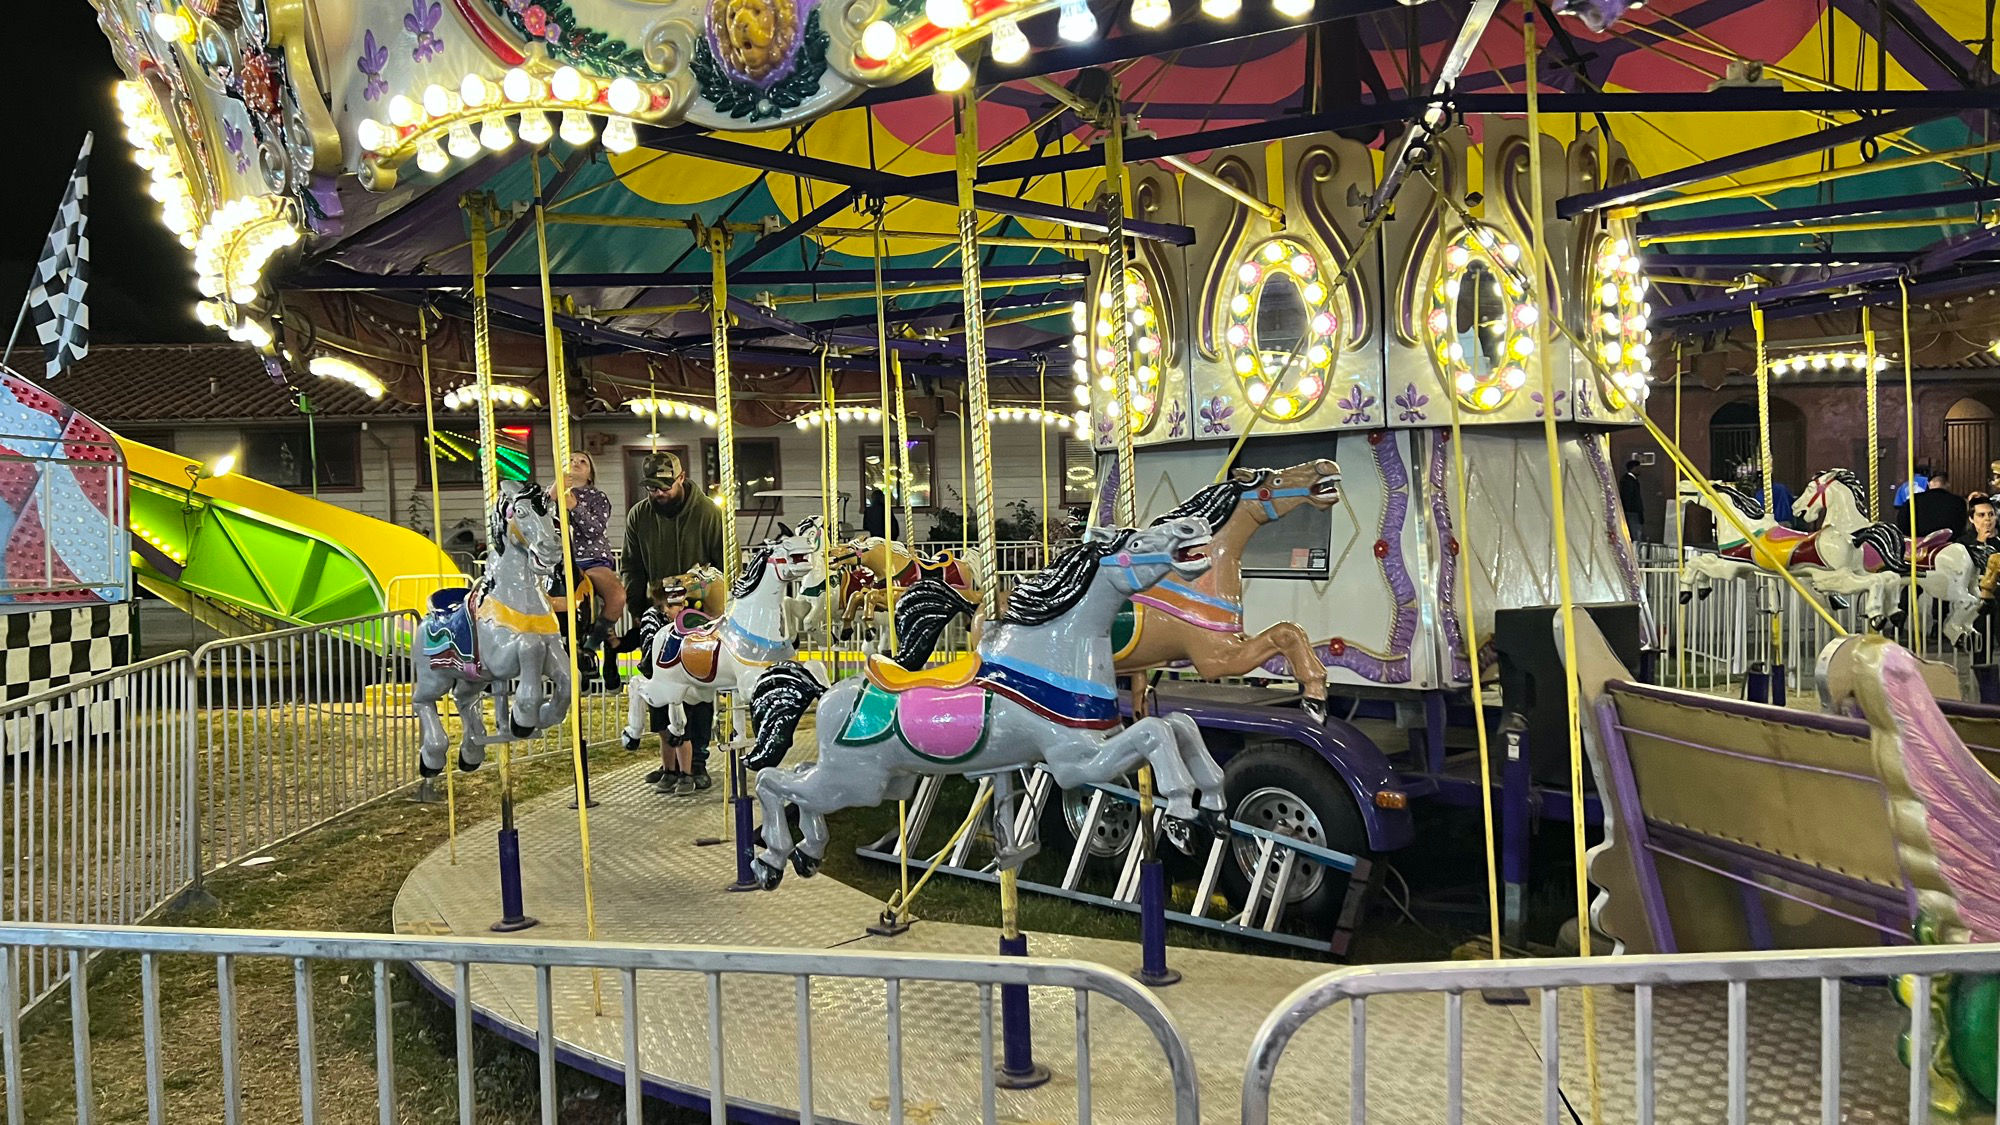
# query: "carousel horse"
805,612
1734,556
1039,689
1201,621
1850,544
499,636
727,653
876,562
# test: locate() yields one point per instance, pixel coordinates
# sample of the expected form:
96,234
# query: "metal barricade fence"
1644,976
773,998
95,821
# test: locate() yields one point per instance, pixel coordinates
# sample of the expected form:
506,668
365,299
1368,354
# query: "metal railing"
762,1004
1643,975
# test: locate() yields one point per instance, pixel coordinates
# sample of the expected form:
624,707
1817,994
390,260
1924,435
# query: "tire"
1290,790
1062,815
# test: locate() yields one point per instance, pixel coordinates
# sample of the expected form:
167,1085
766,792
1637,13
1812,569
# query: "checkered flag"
56,296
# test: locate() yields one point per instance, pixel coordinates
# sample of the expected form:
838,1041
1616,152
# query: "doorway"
1968,445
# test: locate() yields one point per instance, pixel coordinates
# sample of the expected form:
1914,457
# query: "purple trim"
1447,587
1631,823
1754,914
1316,167
1757,860
1233,171
1620,548
1395,667
1835,723
1413,281
1740,756
1515,159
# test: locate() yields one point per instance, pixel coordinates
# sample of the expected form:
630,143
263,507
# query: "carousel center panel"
653,885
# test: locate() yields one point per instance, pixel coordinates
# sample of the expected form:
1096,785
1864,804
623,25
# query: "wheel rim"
1283,813
1115,822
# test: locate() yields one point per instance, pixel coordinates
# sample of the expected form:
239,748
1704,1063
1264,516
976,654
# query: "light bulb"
430,157
517,86
494,133
475,91
1076,23
402,111
567,85
535,128
1221,9
948,72
169,25
948,14
1010,45
370,133
437,100
576,128
879,40
461,143
624,95
618,135
1151,13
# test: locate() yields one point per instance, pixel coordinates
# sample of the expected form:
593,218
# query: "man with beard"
670,532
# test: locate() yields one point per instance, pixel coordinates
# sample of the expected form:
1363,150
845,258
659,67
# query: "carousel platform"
654,884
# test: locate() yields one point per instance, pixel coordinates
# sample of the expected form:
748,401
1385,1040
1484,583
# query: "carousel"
1340,309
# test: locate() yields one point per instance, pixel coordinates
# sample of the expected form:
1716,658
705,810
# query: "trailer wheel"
1288,790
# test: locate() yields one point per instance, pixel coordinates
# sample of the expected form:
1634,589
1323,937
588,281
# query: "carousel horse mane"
1854,484
752,573
1750,506
1055,591
922,612
1216,502
1888,542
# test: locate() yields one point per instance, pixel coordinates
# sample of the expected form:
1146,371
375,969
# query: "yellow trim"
499,613
891,676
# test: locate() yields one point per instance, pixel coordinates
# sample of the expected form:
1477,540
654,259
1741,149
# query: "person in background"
1632,498
668,533
878,520
590,552
1782,500
1938,507
1923,480
1981,536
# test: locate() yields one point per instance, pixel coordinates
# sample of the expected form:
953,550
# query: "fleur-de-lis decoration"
1537,398
1411,404
1215,415
422,23
232,139
1176,418
1358,405
374,56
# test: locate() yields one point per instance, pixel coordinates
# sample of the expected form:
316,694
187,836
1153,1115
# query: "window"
1298,546
280,455
756,471
635,468
1079,475
458,457
923,466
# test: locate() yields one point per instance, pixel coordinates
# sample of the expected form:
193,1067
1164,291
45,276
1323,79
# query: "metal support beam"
1453,64
524,223
335,279
777,239
1818,212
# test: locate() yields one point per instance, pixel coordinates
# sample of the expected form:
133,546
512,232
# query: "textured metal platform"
653,884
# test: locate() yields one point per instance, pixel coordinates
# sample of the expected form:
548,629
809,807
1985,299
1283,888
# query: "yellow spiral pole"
1910,462
437,537
1469,623
1680,531
1874,394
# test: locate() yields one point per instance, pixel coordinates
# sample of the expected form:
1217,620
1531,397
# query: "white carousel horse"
805,611
1732,557
1039,689
726,654
1849,543
498,636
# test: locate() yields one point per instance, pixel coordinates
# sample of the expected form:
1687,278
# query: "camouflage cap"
661,470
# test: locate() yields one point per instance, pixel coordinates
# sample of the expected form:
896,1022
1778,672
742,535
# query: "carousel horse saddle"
1788,547
892,677
695,650
449,635
943,566
944,725
1924,557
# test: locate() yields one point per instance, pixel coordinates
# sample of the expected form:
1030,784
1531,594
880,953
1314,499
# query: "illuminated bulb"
1302,265
1151,13
576,128
1082,394
948,14
1143,404
1323,324
437,100
619,135
430,157
1256,392
170,25
1282,406
1105,384
1819,363
948,72
1106,357
1608,322
1310,387
1147,345
1239,335
1523,346
1079,315
1240,304
1221,9
1608,293
1510,253
1080,368
1489,397
879,40
624,95
1274,253
1465,382
494,133
1457,257
1076,23
517,86
1440,322
1247,273
1318,355
1245,363
475,91
370,133
535,128
566,84
1010,45
1148,375
461,143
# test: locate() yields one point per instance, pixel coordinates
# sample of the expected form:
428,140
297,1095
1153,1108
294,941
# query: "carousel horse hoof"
425,769
628,740
466,766
1705,592
1315,709
806,865
767,876
1180,834
1686,596
520,729
1215,820
1839,602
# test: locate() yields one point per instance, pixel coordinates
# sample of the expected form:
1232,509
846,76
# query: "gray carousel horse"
1040,689
498,636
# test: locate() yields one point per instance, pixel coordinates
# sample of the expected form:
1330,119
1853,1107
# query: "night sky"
141,284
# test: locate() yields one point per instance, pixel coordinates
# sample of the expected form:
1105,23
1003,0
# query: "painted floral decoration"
1215,415
422,22
569,40
232,138
1176,419
374,57
756,82
1359,405
258,84
1411,404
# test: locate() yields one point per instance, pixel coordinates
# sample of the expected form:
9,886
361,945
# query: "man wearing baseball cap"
669,532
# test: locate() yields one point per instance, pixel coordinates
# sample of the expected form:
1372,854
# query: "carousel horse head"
525,519
1812,505
789,555
1273,493
1139,560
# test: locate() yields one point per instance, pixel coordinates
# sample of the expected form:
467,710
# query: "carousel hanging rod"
1728,233
331,278
870,294
1075,245
1852,208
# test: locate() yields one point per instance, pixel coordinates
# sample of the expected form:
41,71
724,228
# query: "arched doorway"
1969,433
1734,452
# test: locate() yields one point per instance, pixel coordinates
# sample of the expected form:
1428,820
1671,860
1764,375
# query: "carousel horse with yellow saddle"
874,563
1199,620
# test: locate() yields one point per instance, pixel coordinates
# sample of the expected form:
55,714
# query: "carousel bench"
1733,825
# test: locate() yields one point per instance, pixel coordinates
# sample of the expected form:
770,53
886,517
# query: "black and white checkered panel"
52,648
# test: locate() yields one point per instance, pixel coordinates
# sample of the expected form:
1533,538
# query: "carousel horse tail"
779,701
922,612
1888,542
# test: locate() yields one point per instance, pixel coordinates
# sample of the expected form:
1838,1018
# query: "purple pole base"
1987,677
512,917
1153,968
1018,1069
1757,685
1778,685
746,847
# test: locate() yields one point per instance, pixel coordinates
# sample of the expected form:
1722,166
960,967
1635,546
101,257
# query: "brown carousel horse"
873,562
1200,620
